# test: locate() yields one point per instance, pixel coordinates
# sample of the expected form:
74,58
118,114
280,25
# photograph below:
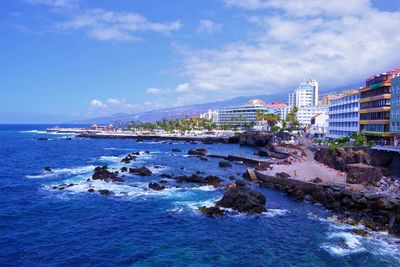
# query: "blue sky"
69,59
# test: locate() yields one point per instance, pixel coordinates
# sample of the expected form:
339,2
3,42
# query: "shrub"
332,148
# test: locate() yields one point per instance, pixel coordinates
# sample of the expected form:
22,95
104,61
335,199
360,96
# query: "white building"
305,113
344,116
241,115
319,125
211,115
305,95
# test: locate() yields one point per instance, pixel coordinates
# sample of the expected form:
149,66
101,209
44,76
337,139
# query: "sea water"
42,226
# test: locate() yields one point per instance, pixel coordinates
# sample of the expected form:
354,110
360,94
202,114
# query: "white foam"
114,159
63,172
45,132
275,212
349,244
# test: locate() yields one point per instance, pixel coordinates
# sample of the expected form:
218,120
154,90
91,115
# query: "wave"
113,159
345,244
45,132
63,172
275,212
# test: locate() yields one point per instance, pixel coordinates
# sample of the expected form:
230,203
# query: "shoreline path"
307,169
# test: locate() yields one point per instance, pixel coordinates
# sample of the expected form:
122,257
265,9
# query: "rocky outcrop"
244,200
282,175
102,173
176,150
197,152
105,192
143,171
339,158
211,211
255,138
194,178
376,210
128,159
363,174
47,169
156,186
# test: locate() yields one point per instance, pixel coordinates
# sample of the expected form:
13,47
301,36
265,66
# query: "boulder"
47,169
198,152
42,139
176,150
363,174
240,183
105,192
282,175
156,186
128,159
164,175
194,178
316,180
212,211
244,200
91,190
143,171
124,169
102,173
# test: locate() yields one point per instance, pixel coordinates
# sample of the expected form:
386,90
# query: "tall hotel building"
375,106
395,109
305,95
343,115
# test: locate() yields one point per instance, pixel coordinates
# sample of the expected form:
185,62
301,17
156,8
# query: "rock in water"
176,150
47,169
156,186
105,192
102,173
224,164
128,159
143,171
198,152
212,211
243,200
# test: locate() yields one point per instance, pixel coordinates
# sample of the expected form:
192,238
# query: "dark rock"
232,178
360,232
212,211
42,139
156,186
102,173
164,175
282,175
105,192
128,159
316,180
243,199
91,190
47,169
224,164
139,140
363,174
240,183
198,152
143,171
124,169
163,182
176,150
194,178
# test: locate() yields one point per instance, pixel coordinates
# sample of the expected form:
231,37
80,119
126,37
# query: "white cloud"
97,104
337,46
54,3
183,88
209,26
154,91
116,26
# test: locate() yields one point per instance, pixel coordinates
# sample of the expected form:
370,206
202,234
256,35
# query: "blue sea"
136,226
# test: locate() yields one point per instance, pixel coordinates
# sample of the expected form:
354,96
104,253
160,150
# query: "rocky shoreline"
374,209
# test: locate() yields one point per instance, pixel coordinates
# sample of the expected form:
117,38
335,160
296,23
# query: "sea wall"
376,211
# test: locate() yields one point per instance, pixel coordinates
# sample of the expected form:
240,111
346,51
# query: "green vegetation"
333,147
359,139
291,119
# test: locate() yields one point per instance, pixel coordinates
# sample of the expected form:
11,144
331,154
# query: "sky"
66,60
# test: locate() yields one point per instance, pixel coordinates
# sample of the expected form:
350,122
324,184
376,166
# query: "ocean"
136,226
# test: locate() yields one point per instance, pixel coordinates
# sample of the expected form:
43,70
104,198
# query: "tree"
291,119
359,139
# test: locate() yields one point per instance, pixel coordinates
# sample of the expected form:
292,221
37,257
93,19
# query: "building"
305,113
326,99
344,115
375,106
241,115
319,125
211,115
395,109
305,95
277,108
